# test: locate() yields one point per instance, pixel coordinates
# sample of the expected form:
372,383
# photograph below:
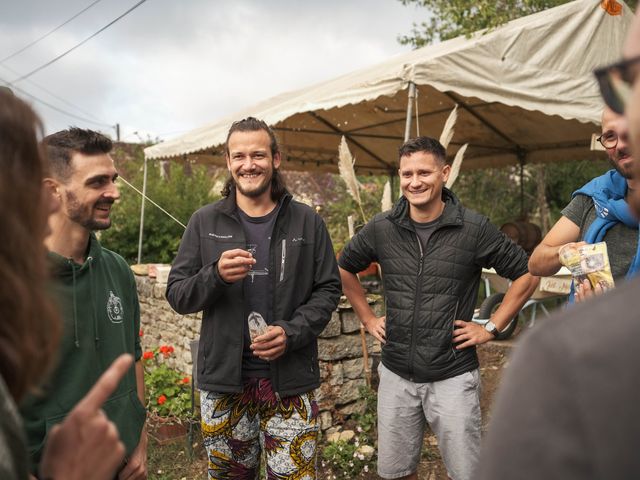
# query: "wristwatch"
491,328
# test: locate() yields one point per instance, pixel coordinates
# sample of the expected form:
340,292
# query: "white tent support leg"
522,159
410,102
144,196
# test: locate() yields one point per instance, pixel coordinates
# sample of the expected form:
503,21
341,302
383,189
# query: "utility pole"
117,132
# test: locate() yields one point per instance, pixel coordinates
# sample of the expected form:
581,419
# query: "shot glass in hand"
257,325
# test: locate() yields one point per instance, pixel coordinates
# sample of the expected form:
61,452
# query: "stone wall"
340,352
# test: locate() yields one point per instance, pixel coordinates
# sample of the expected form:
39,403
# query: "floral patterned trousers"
238,427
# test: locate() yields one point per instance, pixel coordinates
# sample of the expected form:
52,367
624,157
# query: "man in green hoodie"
97,296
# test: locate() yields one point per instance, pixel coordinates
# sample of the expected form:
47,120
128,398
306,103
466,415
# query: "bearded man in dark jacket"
432,251
261,267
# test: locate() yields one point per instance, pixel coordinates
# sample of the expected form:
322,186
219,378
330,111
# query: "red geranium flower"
162,399
166,350
186,380
140,333
147,355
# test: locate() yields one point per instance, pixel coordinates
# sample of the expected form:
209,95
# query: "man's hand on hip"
376,327
468,334
271,344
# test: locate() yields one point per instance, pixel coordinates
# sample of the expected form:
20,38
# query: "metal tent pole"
522,158
410,102
144,196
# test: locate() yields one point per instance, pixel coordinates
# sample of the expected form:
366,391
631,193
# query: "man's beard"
78,213
614,163
257,191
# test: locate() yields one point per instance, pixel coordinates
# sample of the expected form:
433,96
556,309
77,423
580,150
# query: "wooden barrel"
527,235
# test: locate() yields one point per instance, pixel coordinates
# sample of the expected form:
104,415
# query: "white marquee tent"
526,94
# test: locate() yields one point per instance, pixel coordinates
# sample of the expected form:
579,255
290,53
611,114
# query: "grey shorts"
452,409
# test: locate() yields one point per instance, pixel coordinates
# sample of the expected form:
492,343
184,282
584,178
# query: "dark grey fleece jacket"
306,289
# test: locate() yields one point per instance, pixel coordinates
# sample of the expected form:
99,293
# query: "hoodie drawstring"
75,307
93,303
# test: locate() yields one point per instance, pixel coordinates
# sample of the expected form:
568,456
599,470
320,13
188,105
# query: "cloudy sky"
170,66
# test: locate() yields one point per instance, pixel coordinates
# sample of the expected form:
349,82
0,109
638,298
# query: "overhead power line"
154,203
32,72
67,102
18,52
53,107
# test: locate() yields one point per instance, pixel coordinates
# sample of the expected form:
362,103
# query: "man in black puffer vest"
432,251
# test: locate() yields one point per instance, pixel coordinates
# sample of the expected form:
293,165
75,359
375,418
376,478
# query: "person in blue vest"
568,404
598,212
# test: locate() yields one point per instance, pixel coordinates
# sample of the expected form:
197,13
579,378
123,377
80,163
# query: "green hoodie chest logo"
114,308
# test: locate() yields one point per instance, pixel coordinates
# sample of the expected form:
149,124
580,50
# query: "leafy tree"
452,18
496,192
181,194
562,179
340,205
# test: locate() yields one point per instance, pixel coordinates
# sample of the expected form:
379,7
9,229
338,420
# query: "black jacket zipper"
416,303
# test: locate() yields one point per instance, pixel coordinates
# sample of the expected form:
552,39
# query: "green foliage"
367,421
496,192
167,391
181,194
452,18
562,179
340,205
344,459
479,190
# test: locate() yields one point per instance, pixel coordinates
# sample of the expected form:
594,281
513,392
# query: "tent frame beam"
481,119
351,139
403,119
383,137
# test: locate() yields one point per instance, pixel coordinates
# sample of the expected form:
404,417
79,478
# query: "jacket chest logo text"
114,308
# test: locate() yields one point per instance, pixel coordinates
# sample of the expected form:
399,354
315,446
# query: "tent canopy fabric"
526,94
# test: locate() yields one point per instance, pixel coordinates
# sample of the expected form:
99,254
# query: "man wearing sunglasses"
568,406
598,212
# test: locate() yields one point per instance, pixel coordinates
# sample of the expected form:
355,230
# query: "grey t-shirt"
257,285
622,241
424,230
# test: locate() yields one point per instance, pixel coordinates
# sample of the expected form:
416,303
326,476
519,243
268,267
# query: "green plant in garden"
168,391
338,205
344,460
367,421
353,458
